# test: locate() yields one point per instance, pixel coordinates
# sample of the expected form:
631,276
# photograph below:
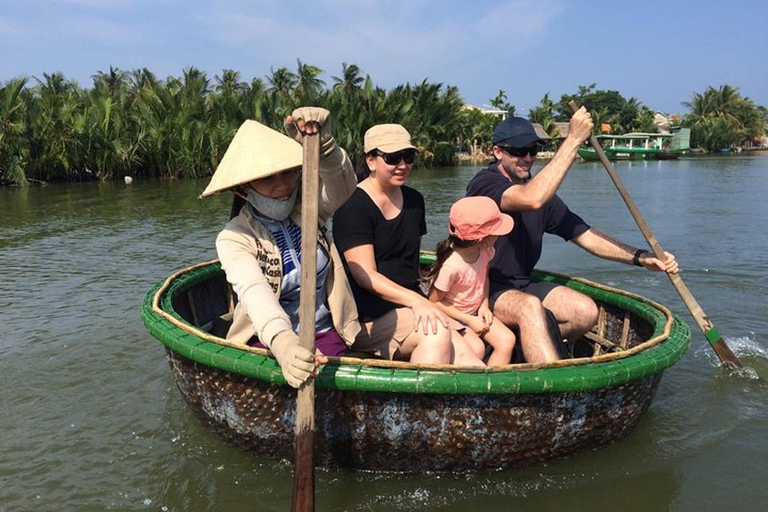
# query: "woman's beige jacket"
251,260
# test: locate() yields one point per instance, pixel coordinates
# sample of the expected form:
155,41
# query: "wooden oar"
727,357
304,457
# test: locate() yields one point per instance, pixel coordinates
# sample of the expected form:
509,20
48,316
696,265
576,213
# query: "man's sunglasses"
406,155
520,152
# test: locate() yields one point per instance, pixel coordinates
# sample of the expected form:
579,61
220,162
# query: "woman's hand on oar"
296,362
309,121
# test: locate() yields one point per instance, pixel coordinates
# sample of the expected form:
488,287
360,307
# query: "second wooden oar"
304,456
723,351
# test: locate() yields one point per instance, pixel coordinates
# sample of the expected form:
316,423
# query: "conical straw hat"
257,151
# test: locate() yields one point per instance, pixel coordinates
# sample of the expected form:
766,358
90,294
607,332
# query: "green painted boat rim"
632,150
667,345
586,151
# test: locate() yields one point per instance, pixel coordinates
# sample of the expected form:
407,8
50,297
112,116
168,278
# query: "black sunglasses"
406,155
520,152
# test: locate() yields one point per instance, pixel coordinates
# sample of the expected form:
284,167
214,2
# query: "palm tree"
500,102
350,81
282,83
141,78
544,115
309,86
13,145
110,84
229,83
228,105
195,86
721,118
52,145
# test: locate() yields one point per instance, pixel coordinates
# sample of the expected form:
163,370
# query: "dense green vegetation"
607,108
135,124
722,118
132,123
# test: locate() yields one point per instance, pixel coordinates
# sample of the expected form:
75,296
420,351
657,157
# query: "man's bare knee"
512,307
584,314
589,312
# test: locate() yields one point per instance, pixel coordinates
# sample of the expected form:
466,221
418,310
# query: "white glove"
296,362
312,114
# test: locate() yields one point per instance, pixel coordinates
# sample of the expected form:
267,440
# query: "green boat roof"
637,135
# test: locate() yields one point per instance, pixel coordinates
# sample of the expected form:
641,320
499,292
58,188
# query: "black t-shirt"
396,244
518,252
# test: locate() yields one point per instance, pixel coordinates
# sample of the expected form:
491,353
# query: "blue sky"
657,51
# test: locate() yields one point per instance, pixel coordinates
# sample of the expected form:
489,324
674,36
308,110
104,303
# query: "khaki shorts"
384,336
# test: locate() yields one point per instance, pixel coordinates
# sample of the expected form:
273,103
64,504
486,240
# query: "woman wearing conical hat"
260,248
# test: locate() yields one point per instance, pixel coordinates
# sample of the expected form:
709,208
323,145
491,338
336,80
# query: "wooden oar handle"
304,460
310,186
722,350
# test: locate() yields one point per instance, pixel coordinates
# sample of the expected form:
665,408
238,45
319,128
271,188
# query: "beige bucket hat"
387,138
257,151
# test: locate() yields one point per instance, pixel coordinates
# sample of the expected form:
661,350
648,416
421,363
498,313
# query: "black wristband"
636,257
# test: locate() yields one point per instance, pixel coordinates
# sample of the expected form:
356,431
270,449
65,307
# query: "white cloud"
237,29
104,4
395,40
350,4
9,27
112,33
393,48
520,20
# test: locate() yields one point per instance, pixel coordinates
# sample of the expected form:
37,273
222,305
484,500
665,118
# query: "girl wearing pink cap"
459,278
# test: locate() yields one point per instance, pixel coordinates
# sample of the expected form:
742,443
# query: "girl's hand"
427,316
320,359
478,325
486,314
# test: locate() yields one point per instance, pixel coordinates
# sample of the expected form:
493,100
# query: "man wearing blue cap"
538,310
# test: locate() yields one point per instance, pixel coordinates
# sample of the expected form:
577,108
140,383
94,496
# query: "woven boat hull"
384,416
406,432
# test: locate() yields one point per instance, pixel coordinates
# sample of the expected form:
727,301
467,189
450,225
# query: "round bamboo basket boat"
392,416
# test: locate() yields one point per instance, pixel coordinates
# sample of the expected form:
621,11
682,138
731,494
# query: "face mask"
272,208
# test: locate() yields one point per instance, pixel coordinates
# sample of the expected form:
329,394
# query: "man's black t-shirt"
518,252
396,243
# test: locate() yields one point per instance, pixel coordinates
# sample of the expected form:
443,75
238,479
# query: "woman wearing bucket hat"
379,232
458,280
260,248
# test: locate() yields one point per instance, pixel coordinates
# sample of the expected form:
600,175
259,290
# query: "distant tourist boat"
637,146
393,416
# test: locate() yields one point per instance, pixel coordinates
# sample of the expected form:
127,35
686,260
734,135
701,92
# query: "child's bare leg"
428,348
474,342
463,353
502,339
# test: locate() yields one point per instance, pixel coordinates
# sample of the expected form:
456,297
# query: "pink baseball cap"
474,218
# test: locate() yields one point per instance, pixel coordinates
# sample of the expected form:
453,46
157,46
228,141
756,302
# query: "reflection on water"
92,419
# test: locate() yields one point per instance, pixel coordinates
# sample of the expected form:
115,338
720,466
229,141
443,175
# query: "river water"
90,418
